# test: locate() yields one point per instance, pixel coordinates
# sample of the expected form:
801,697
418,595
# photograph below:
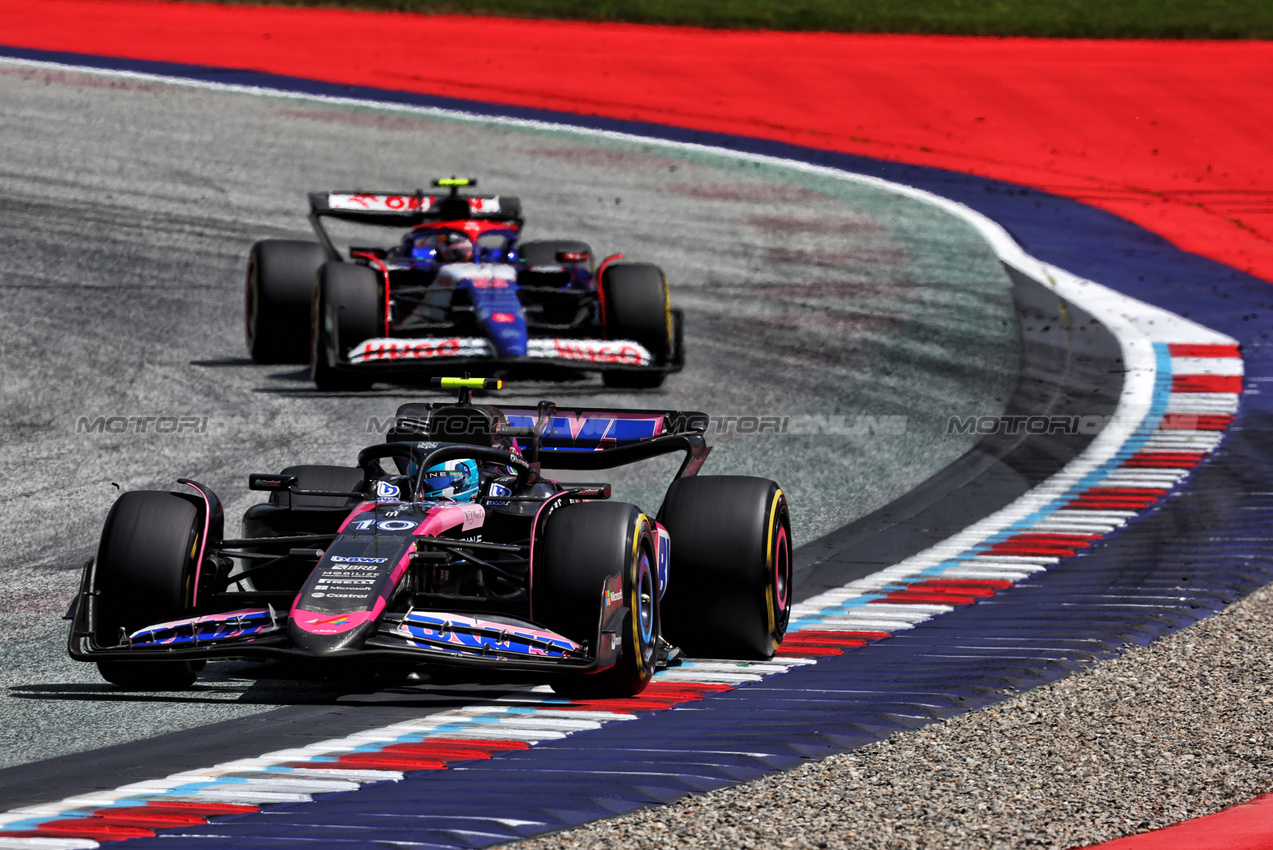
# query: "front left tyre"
729,593
348,309
145,574
584,547
635,305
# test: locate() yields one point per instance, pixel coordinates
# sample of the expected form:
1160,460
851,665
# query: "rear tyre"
636,306
729,590
544,252
279,288
348,309
145,574
583,546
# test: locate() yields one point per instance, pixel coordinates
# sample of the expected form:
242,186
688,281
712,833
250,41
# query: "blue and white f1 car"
459,289
461,557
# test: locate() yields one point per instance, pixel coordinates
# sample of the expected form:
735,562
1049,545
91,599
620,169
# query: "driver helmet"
453,479
424,246
455,248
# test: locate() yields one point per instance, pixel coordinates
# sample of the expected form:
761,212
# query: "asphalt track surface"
129,211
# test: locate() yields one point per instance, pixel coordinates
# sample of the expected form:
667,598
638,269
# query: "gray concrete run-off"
128,210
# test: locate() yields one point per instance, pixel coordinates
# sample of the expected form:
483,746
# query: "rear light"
572,256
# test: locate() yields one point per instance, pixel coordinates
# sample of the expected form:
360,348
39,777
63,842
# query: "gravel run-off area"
1175,730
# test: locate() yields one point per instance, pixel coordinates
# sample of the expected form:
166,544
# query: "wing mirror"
271,483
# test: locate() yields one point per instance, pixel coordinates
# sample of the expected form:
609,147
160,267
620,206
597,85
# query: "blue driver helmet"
454,479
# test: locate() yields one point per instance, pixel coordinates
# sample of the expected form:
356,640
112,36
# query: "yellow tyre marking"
667,311
770,601
633,601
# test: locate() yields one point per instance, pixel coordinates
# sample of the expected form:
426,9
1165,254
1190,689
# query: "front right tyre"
584,545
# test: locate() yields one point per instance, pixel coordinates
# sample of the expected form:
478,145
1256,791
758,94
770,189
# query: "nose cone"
340,604
499,310
506,330
324,634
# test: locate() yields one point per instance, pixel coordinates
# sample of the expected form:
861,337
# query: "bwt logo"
142,425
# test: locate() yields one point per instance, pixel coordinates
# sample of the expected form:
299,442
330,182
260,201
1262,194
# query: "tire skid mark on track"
1181,392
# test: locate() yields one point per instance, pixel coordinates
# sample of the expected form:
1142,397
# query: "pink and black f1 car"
459,288
460,558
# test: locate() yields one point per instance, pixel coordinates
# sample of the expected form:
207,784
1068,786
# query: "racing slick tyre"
729,590
348,309
585,545
635,305
280,286
145,574
544,252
